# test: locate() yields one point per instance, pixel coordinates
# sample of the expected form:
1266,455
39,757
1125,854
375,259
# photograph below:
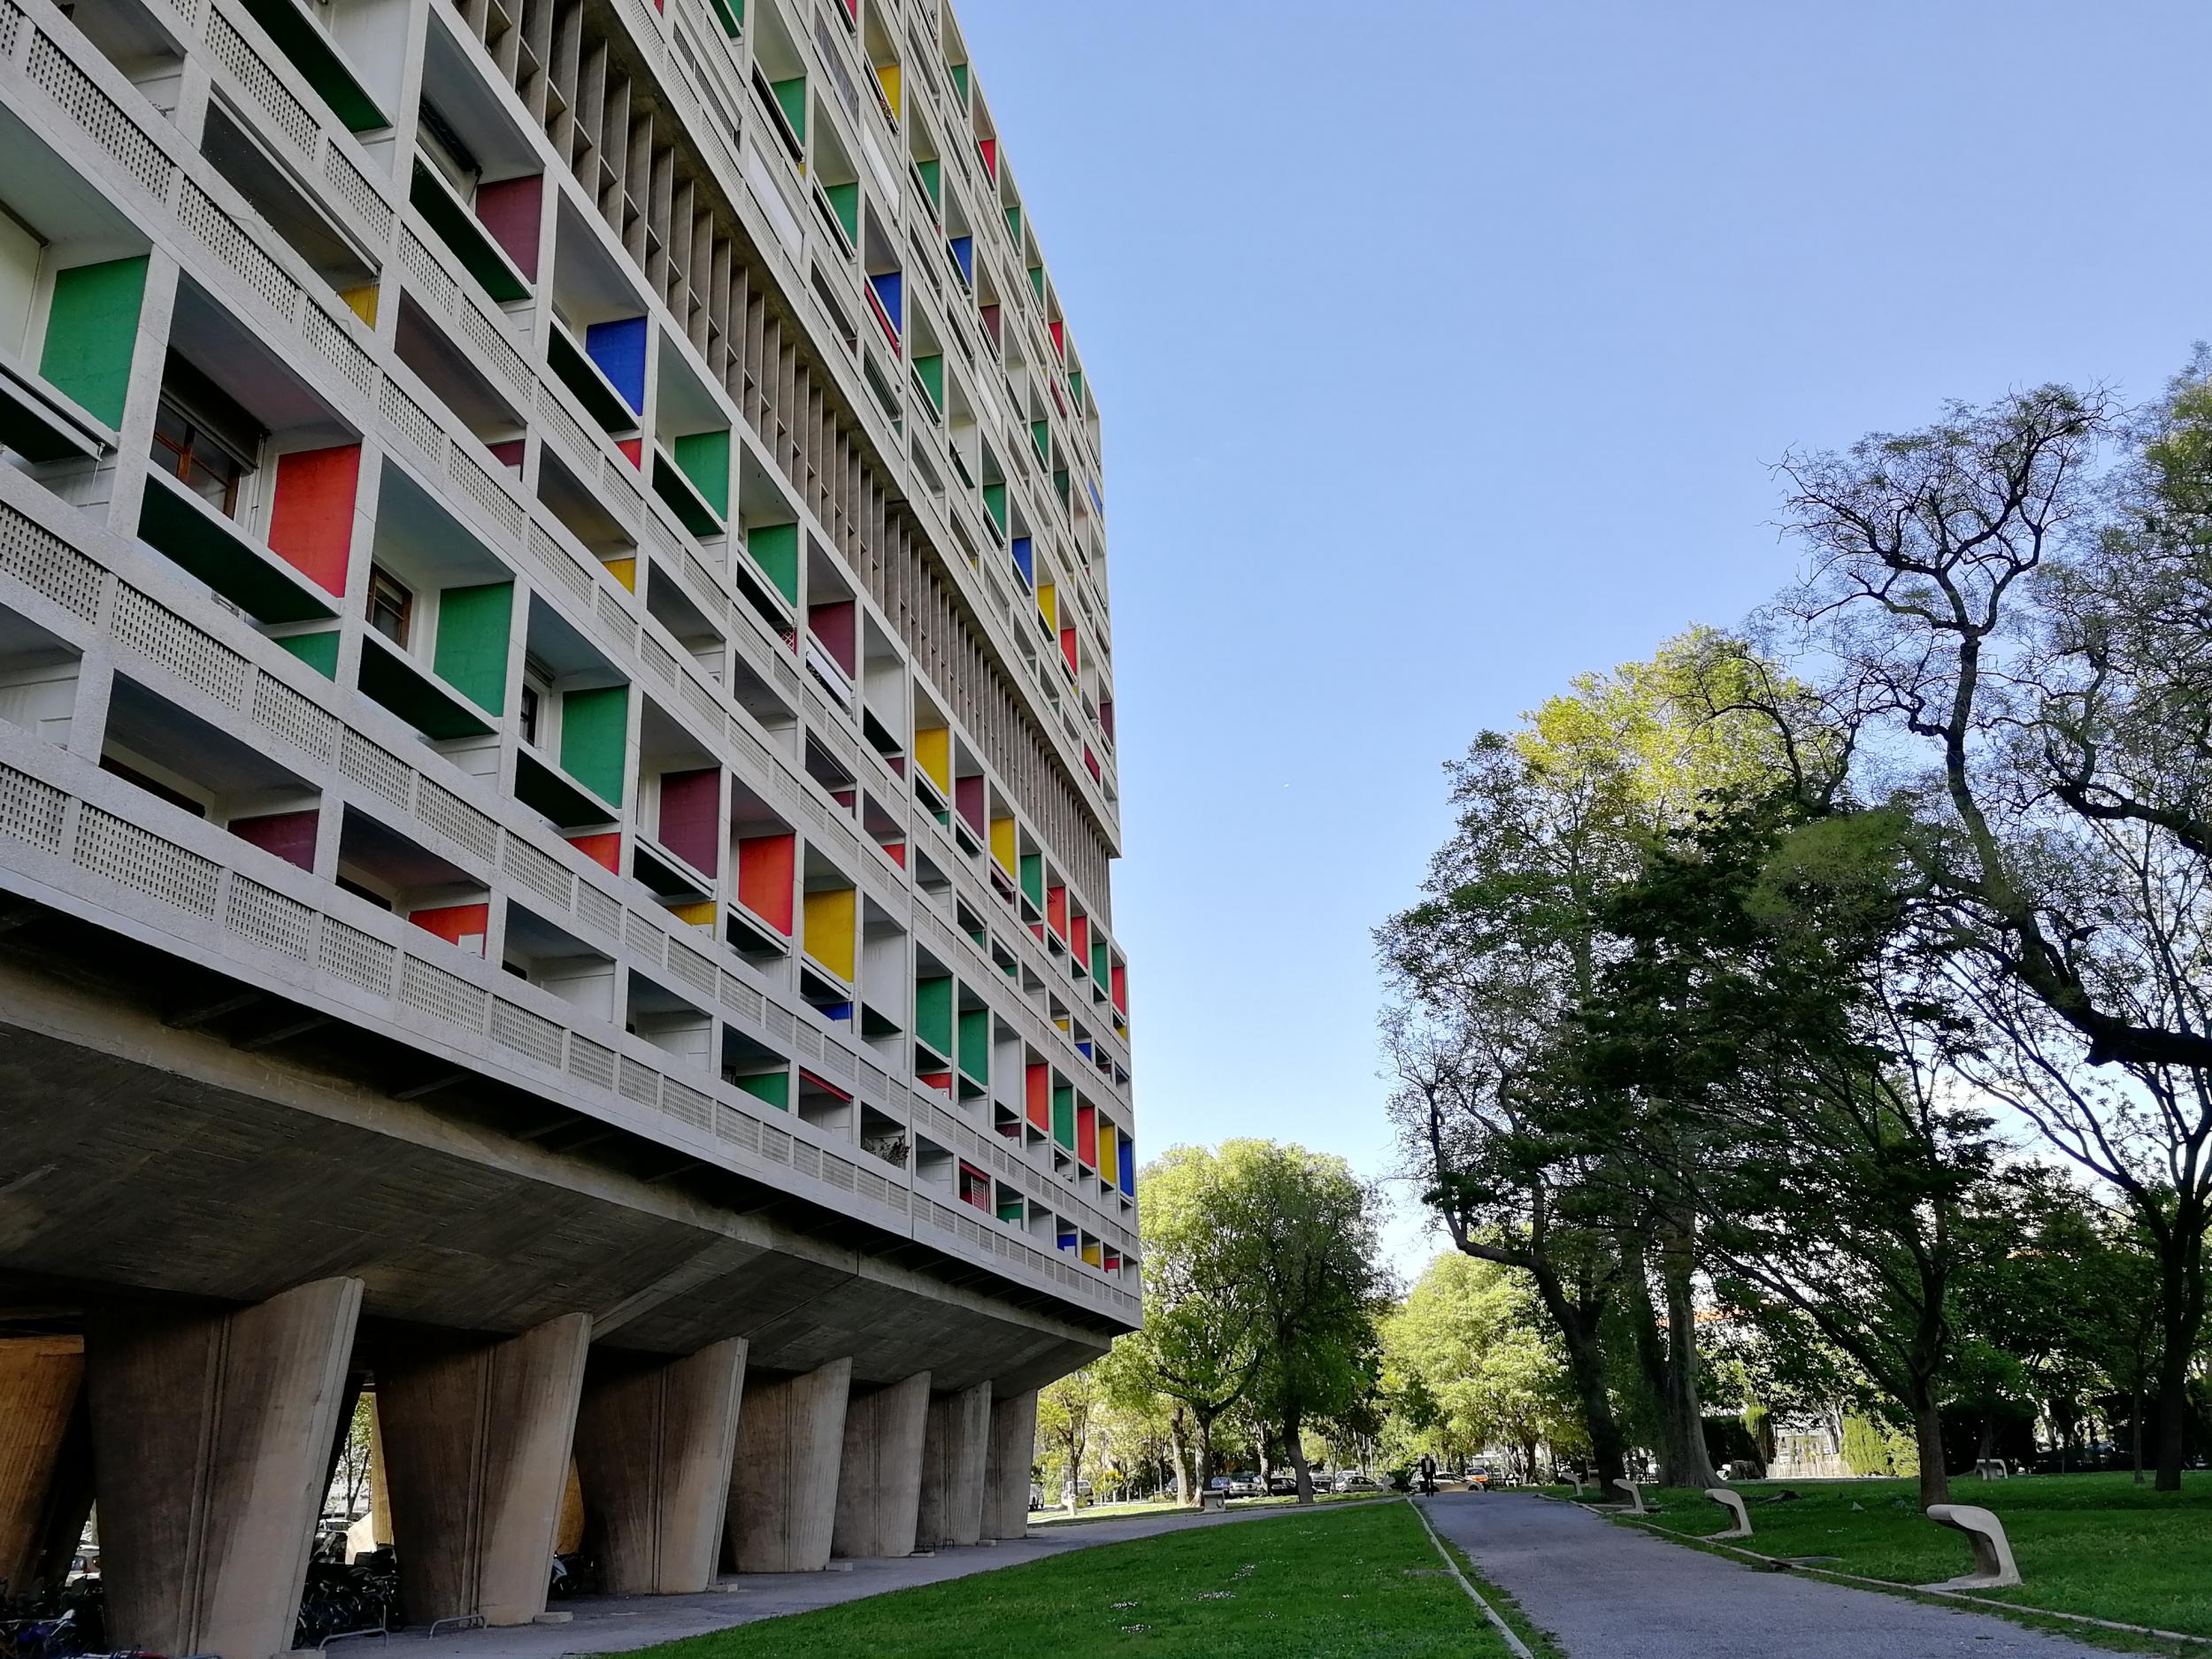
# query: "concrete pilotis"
879,1484
785,1480
654,1443
956,1448
42,1378
209,1436
476,1438
1006,1474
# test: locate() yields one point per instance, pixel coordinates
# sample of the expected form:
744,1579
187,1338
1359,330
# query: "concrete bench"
1993,1469
1732,1502
1213,1498
1635,1494
1994,1567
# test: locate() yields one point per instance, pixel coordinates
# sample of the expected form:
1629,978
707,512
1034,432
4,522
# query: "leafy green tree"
1201,1343
1776,992
1482,1364
1067,1415
1534,1161
1301,1230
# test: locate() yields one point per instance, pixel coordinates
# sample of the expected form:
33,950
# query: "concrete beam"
880,1486
955,1447
785,1479
1006,1475
41,1380
209,1436
654,1443
477,1436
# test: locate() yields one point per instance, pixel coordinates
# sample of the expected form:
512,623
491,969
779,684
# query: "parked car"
1478,1478
1356,1483
1246,1486
1281,1482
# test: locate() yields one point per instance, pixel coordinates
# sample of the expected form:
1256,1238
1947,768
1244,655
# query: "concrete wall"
880,1490
955,1447
1006,1474
784,1480
654,1440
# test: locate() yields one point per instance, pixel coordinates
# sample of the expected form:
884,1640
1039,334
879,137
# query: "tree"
1481,1365
1534,1163
1200,1345
1066,1411
1776,993
1301,1232
2027,630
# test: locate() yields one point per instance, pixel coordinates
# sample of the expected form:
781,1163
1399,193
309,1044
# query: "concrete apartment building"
557,790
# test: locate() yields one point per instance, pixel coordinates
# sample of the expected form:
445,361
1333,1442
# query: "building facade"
556,792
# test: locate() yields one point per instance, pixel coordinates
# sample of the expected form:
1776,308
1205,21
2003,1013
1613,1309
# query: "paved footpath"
1606,1591
610,1624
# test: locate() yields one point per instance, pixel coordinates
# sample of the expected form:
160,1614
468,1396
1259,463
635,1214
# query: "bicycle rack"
347,1635
459,1621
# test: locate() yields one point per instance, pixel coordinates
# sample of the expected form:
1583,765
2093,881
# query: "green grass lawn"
1345,1585
2093,1544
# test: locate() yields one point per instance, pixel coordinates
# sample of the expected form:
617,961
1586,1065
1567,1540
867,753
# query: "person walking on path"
1428,1474
1602,1591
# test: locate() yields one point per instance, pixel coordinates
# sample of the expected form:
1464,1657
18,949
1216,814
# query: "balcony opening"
555,960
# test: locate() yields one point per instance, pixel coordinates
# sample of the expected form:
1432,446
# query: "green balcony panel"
318,651
91,327
844,200
705,459
930,370
1033,867
933,1014
775,549
975,1045
791,99
774,1088
1063,1115
933,181
474,625
594,739
994,504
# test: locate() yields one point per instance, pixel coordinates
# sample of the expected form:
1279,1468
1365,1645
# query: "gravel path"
1605,1591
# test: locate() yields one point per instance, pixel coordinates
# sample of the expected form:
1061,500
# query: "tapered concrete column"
42,1378
955,1445
654,1441
784,1481
879,1483
476,1440
209,1436
1006,1475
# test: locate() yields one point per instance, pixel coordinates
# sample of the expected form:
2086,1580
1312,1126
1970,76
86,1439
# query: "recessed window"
209,467
391,605
529,714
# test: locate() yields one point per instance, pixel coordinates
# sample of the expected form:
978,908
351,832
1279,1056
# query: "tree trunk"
2181,1320
1295,1448
1205,1456
1651,1351
2135,1430
1684,1411
1927,1422
1175,1451
1586,1367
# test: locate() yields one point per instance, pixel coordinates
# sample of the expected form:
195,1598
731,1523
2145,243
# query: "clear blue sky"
1443,350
